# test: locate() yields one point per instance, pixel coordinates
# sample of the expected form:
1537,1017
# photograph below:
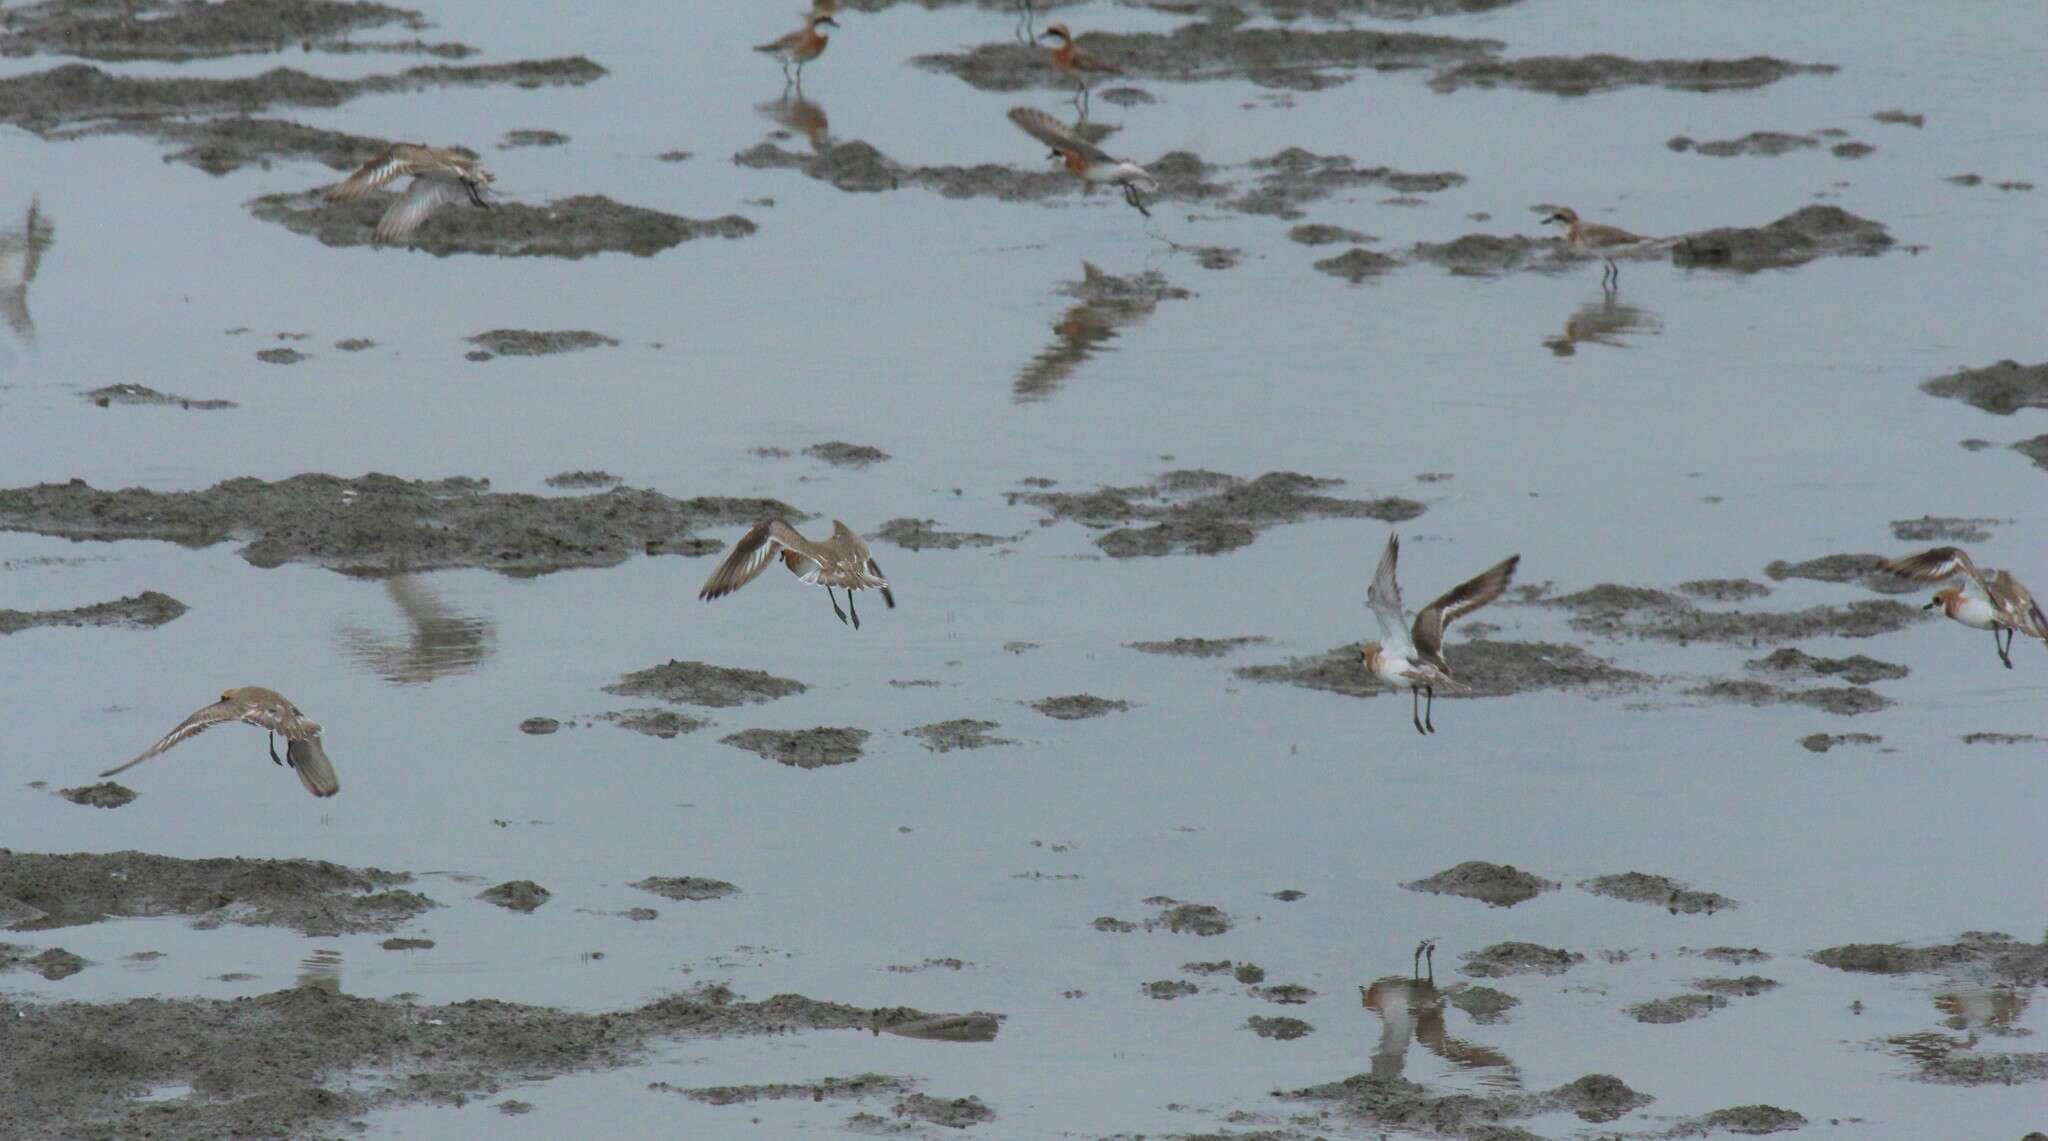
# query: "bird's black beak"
1055,153
1932,605
827,20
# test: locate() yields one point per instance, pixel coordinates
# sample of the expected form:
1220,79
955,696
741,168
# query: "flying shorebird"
1069,60
268,710
1591,239
842,560
801,46
1993,602
1084,159
20,254
1415,659
440,175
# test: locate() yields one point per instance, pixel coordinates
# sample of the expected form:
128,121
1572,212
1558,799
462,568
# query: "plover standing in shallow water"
1591,239
801,46
1994,601
842,560
1414,658
1084,159
1069,60
265,709
440,175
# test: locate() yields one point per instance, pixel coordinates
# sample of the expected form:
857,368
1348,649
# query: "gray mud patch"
1197,647
1999,738
1399,1105
926,534
1724,589
839,453
666,724
2035,449
1323,234
312,897
1484,1004
802,748
1206,512
282,356
583,480
1990,955
531,137
1958,1068
1104,305
1643,612
571,228
145,611
1506,959
1795,239
306,1061
857,167
1842,700
1491,669
142,395
1867,571
1079,707
1753,1120
516,895
1282,1029
1168,989
1735,956
105,794
1767,144
1748,986
1286,58
945,1112
53,964
1679,1008
1357,265
1583,75
1181,919
1498,885
1822,742
1793,663
696,683
2001,389
77,92
861,1085
961,733
534,343
381,525
1945,529
162,30
1289,179
686,888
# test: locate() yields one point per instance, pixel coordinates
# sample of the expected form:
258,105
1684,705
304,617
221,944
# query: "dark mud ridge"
144,611
695,683
1398,1104
53,964
963,733
1845,700
1175,916
1944,529
1583,75
1680,1008
105,794
910,1106
1322,234
1822,742
1795,239
586,480
1207,512
1661,891
516,895
1643,612
1856,670
1724,589
1865,570
567,228
1501,885
1748,986
306,1061
166,30
1281,1029
77,92
686,888
2002,388
663,723
535,343
1504,959
925,534
1768,144
1992,956
1270,57
1357,264
1197,647
141,394
802,748
839,453
1492,669
1486,1005
1106,303
531,137
312,897
380,524
1079,707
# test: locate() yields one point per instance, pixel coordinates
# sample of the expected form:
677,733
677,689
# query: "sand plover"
1414,658
842,560
1069,60
1591,239
268,710
21,252
1084,159
1994,601
440,175
801,46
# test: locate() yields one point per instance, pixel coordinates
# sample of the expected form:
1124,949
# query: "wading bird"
842,560
1994,601
440,175
268,710
1084,159
801,46
1591,239
1069,60
1415,659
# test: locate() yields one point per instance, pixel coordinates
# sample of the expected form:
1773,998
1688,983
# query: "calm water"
1749,418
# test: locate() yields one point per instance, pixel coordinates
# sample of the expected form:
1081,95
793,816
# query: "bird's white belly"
1975,613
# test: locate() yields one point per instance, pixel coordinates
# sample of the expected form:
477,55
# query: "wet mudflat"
1102,831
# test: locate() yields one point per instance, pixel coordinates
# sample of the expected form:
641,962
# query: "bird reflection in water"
321,970
438,642
21,251
1973,1012
1603,322
1107,304
800,116
1412,1008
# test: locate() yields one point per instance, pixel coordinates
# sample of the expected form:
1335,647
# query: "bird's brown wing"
420,199
1934,564
1054,133
220,712
751,555
888,596
308,758
1463,598
373,175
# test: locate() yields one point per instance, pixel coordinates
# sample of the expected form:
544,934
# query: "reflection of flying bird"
441,642
268,710
20,253
801,46
440,175
1994,601
1602,322
842,560
1595,240
1414,658
1084,330
1084,159
800,115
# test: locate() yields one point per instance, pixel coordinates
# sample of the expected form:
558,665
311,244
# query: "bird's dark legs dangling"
2004,649
274,758
1429,708
835,604
1415,707
850,607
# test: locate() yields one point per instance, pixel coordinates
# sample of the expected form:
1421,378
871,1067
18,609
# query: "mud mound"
1196,647
1856,670
105,794
53,964
1483,255
1492,669
688,888
1867,571
1485,1004
1399,1105
534,343
516,895
1583,75
1845,700
696,683
1724,589
1795,239
1822,742
1079,707
163,30
1181,919
1634,611
663,723
142,394
566,228
839,453
1504,959
1991,954
2001,389
1357,265
1660,891
380,524
925,534
802,748
144,611
963,733
862,1085
1206,512
1287,180
312,897
1944,529
1501,885
1281,1029
1680,1008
